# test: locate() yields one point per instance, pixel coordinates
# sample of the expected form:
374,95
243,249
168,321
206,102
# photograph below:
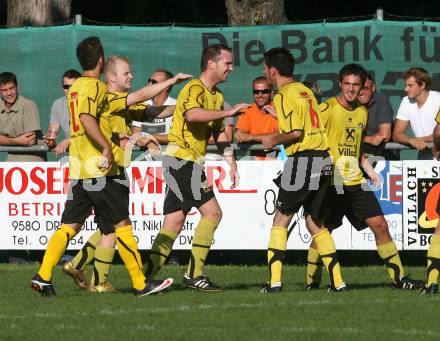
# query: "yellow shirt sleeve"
290,114
324,108
195,97
88,101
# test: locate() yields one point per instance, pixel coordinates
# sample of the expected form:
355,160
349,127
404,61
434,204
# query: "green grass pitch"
369,311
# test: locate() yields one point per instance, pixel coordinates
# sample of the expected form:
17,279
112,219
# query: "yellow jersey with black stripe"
345,130
188,140
437,118
297,109
120,118
87,95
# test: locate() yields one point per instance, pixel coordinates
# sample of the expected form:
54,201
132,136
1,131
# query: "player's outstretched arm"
206,115
224,146
285,139
152,90
160,111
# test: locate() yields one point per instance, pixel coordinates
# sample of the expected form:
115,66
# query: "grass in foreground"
370,310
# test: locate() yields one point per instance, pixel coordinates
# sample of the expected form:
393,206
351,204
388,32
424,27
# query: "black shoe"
407,283
154,286
267,289
341,288
312,286
432,289
201,283
45,288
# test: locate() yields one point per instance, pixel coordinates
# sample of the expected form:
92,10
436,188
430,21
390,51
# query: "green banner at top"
39,56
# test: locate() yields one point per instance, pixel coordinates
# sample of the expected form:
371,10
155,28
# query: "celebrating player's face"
224,65
123,75
350,87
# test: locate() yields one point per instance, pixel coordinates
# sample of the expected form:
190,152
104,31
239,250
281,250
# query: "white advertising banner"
421,191
32,197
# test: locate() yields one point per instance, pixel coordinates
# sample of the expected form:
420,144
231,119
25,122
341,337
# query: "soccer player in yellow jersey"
307,171
95,179
433,267
345,121
199,114
115,121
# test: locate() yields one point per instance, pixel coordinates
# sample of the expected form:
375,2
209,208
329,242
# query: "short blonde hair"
110,63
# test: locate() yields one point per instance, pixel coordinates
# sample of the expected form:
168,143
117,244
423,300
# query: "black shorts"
108,196
355,203
187,186
304,182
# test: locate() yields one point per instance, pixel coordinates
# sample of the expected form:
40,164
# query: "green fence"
39,56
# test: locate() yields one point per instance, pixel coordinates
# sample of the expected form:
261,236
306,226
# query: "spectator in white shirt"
418,108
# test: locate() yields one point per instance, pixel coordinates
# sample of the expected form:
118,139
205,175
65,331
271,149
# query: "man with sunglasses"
158,127
59,116
256,121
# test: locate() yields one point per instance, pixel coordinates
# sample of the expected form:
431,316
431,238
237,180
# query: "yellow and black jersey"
87,95
188,140
117,118
297,109
345,130
437,118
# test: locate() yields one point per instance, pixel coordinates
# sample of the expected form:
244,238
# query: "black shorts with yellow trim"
355,202
304,182
186,185
107,196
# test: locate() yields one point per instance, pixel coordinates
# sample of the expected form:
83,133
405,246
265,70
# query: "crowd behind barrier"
211,148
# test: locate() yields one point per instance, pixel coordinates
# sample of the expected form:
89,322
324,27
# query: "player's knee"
380,226
214,215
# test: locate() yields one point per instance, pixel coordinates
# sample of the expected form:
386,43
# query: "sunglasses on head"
263,91
66,86
152,81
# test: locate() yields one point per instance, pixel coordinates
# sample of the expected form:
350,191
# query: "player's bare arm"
205,115
91,128
285,139
222,141
160,111
368,168
152,90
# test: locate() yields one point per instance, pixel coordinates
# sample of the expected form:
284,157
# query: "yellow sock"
276,253
55,248
87,253
101,265
161,249
389,254
128,250
314,266
433,261
200,247
327,250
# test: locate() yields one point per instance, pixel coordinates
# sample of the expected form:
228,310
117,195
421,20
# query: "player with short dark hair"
345,121
199,114
115,119
95,180
307,171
